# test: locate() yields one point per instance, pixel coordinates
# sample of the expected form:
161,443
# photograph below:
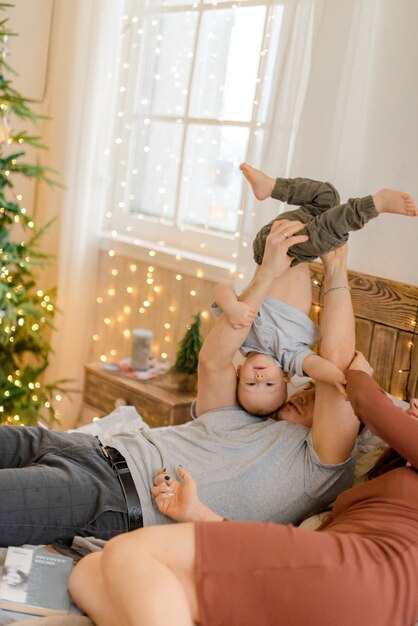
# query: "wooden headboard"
386,327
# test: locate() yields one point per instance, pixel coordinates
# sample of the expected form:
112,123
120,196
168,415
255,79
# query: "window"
194,84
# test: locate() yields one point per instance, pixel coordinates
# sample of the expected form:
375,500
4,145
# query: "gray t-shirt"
246,467
282,332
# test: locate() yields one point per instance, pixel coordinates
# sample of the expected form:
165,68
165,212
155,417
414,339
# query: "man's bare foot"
398,202
262,185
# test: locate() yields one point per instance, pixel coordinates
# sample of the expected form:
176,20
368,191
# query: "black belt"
120,467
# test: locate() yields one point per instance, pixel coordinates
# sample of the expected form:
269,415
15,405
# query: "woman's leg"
143,577
88,590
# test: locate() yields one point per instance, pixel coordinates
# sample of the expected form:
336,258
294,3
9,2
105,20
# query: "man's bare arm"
335,426
216,372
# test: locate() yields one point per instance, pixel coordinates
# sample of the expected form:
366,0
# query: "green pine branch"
26,312
187,356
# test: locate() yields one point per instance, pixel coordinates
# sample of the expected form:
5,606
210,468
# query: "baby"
280,335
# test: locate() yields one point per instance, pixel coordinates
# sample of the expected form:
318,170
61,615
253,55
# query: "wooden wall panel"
401,366
412,385
364,334
382,353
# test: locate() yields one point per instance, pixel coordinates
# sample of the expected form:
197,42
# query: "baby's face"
262,385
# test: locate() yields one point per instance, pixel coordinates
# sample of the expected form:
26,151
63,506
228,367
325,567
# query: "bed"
386,315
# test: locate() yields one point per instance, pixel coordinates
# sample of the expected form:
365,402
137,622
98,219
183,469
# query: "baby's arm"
324,371
240,314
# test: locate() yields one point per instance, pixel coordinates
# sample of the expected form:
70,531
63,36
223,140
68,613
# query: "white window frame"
145,235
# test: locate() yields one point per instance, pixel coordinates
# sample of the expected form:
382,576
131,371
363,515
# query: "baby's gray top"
282,332
246,467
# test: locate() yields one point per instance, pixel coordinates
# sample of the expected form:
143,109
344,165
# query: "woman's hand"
180,500
360,363
281,237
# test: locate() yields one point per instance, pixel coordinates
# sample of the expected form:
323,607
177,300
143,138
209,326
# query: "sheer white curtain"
345,110
83,53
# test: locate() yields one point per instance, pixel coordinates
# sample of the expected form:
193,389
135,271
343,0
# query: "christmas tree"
188,349
26,311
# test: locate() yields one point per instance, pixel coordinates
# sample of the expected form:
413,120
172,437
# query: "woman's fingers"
290,227
283,232
160,489
162,477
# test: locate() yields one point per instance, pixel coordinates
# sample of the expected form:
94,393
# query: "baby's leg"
314,196
397,202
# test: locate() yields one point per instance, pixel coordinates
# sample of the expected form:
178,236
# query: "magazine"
35,582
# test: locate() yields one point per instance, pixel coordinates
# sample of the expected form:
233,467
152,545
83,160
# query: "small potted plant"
184,369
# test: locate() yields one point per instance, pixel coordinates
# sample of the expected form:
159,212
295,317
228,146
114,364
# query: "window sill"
168,257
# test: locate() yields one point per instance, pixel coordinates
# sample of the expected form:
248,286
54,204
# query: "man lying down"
55,485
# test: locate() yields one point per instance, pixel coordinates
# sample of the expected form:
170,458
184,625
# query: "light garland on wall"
144,308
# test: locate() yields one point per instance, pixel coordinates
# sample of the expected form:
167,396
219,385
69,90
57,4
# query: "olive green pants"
327,223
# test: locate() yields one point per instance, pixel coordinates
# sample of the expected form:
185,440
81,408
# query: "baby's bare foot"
398,202
262,185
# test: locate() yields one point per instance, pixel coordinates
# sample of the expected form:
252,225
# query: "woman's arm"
370,403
